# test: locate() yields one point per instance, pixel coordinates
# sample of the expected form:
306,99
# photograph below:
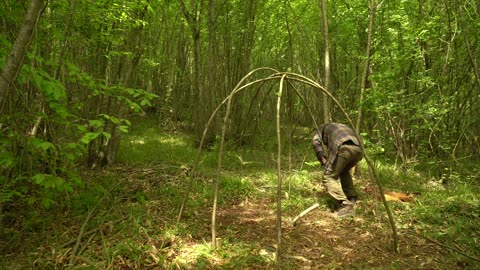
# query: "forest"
161,134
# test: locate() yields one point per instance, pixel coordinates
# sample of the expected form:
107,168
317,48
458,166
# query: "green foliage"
299,189
236,188
148,190
135,99
5,48
444,210
148,144
49,164
94,63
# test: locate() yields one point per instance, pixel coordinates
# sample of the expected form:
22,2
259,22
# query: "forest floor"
318,241
124,217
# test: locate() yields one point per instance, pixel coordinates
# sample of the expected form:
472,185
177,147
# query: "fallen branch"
79,253
83,234
449,247
80,236
73,241
295,257
308,210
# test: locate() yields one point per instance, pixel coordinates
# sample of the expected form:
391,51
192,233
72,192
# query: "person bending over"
338,150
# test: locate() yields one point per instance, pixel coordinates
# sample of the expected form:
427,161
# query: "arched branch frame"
282,76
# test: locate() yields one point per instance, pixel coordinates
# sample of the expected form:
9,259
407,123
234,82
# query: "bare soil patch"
320,241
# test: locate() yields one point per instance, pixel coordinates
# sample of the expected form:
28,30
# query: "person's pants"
339,183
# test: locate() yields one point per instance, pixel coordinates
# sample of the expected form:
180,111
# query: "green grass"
446,211
150,145
449,214
146,188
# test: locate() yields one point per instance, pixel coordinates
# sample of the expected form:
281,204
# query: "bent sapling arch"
282,76
279,173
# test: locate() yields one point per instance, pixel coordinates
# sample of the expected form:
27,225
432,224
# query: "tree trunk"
240,64
475,68
326,110
20,47
194,21
363,80
211,93
365,73
126,72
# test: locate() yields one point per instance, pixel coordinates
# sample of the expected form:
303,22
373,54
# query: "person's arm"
318,149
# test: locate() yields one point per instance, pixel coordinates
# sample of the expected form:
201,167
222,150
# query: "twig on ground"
90,232
80,235
449,247
85,245
296,257
311,208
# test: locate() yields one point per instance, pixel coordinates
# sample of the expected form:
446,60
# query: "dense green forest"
115,114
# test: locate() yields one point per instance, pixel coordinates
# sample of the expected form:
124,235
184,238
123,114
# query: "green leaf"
60,109
59,183
106,116
90,136
70,156
45,145
145,102
115,120
73,69
123,129
38,178
68,187
31,200
76,179
47,202
311,163
35,142
82,128
107,135
96,123
72,145
6,161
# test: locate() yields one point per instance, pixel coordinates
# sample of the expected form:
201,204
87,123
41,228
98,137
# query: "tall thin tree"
20,47
194,20
326,109
366,64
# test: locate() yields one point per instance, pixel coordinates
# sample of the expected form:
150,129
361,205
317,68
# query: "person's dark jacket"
332,136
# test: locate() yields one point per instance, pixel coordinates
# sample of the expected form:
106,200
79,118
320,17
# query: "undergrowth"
447,211
129,211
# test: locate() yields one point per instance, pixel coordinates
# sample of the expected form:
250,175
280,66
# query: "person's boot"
345,210
353,199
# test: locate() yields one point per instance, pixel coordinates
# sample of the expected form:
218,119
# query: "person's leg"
347,185
352,155
332,181
339,184
334,187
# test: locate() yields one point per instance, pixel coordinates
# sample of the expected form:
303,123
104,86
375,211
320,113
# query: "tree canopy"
77,75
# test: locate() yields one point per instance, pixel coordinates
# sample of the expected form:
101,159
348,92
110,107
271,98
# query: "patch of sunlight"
162,139
300,179
173,141
268,178
343,250
197,254
434,185
327,223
